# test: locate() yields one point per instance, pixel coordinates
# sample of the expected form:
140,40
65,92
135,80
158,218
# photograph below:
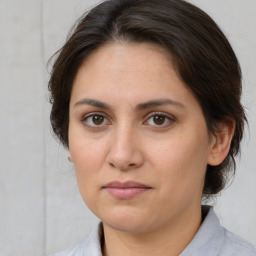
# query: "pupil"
159,120
98,120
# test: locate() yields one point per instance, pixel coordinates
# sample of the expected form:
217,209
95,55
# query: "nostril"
123,165
124,159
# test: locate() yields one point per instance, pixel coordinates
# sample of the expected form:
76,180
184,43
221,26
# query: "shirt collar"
207,241
209,238
92,246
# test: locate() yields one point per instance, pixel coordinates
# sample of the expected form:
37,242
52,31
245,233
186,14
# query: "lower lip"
126,193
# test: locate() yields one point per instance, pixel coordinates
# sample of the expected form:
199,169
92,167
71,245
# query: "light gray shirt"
210,240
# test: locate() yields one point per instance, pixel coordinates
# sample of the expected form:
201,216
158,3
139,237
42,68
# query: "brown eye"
159,120
95,120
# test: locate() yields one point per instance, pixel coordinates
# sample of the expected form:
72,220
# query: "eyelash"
167,117
83,120
170,119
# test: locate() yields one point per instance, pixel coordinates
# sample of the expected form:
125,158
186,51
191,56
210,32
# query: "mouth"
126,190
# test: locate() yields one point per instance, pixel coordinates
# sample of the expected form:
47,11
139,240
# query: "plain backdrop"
41,211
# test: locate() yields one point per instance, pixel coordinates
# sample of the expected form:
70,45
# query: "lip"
126,190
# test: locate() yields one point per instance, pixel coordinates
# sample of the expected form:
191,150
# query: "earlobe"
221,142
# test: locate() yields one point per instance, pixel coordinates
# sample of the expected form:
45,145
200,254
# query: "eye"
160,119
95,120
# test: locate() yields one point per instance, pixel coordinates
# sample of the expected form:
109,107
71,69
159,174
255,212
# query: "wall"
40,208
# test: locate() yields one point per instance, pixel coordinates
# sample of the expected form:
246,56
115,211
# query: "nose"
125,151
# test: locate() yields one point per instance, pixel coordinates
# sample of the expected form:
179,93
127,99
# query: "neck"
170,239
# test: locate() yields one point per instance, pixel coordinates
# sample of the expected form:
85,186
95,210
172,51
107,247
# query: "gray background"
40,208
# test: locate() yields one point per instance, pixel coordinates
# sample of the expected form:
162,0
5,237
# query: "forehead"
127,60
139,71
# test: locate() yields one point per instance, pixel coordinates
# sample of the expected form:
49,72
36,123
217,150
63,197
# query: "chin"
127,221
128,227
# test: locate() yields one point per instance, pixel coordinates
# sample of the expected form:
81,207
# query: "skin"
128,143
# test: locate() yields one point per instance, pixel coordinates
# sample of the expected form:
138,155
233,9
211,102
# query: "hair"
200,53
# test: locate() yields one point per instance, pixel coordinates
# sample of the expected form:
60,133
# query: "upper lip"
127,184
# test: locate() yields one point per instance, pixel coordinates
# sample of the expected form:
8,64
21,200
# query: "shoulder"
236,246
76,250
213,239
90,247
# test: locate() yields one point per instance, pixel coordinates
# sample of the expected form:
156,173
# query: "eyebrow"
92,102
158,102
141,106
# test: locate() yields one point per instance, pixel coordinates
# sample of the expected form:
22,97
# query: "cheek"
181,164
88,157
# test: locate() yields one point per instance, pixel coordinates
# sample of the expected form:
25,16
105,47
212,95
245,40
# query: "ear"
221,141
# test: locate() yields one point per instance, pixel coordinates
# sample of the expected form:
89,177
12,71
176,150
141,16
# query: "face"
137,138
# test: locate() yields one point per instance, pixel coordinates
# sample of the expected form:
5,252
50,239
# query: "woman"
146,97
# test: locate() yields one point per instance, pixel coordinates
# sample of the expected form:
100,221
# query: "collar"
209,238
207,241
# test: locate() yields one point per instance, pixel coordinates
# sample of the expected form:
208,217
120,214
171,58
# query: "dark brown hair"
200,52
